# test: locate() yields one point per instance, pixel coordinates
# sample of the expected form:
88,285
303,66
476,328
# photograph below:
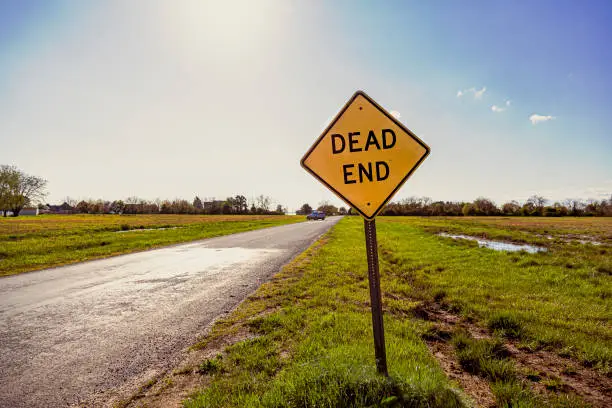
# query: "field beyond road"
464,324
31,243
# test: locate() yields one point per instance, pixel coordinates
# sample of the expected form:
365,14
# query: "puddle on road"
497,245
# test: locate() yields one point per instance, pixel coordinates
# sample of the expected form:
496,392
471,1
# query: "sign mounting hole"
368,203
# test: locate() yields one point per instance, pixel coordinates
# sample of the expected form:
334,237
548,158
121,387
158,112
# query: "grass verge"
310,341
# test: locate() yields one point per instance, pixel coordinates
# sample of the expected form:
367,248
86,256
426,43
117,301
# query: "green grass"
313,341
211,366
31,243
487,358
506,325
311,344
557,299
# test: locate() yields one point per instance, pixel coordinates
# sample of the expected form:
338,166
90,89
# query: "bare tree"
511,208
607,206
327,208
71,201
574,206
484,206
117,207
132,200
263,202
537,202
82,207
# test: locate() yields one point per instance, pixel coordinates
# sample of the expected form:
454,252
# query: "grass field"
30,243
560,298
464,325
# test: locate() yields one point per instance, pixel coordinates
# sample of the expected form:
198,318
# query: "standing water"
497,245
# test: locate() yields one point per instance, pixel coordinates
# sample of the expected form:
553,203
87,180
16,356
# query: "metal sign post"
375,298
364,156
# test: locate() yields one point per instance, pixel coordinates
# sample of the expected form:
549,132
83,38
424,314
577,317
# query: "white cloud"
396,114
535,118
496,108
477,93
508,102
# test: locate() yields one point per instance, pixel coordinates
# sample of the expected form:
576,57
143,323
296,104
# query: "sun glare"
236,28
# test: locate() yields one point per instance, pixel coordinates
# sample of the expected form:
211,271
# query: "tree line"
260,205
535,205
19,190
325,207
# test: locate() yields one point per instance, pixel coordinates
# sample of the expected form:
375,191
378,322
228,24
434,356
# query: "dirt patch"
589,384
540,368
475,387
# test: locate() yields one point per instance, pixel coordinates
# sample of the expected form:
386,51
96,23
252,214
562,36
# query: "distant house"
8,214
29,211
65,208
44,209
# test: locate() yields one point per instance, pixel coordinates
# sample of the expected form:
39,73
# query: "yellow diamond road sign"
365,155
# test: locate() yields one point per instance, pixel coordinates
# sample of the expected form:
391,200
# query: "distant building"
65,208
44,209
29,211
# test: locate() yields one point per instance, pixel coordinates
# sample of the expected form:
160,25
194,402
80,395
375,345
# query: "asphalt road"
71,333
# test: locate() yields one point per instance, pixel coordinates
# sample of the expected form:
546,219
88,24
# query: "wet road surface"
69,333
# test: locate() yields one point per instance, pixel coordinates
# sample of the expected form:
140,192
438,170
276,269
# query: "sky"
172,99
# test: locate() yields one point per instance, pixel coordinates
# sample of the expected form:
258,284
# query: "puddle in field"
147,229
497,245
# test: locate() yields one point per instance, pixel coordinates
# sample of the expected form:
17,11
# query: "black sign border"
333,122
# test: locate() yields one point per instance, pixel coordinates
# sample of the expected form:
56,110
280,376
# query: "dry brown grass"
49,223
594,226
